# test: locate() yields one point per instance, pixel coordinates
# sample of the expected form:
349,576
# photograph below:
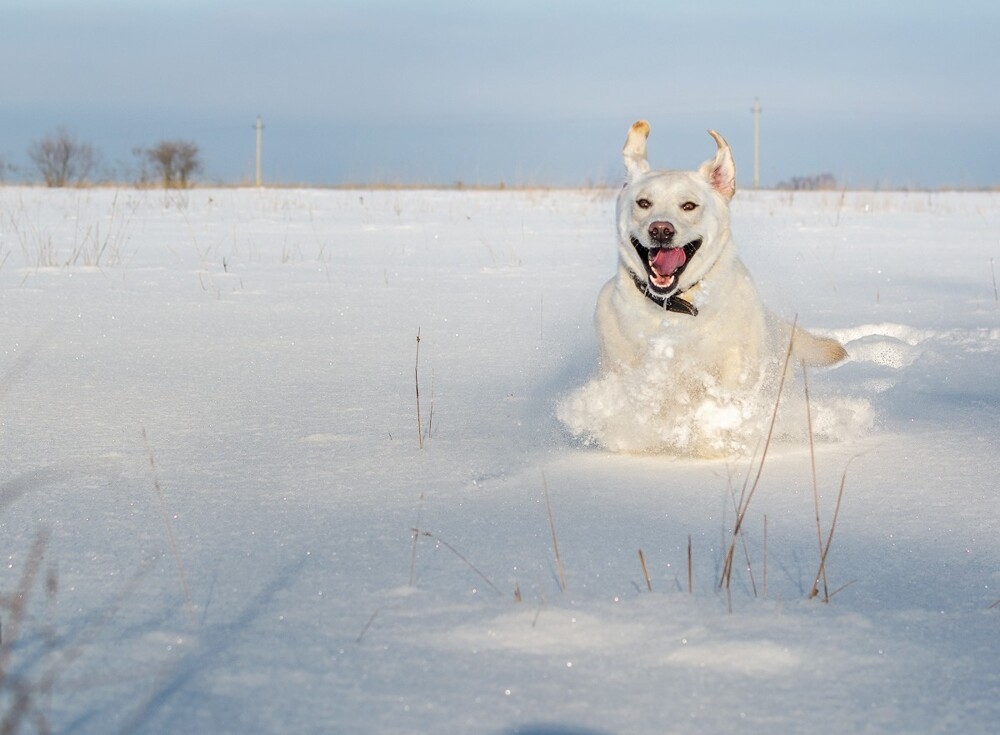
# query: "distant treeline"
821,182
61,159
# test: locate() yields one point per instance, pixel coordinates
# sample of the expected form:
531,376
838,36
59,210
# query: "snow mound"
657,408
757,658
638,411
557,632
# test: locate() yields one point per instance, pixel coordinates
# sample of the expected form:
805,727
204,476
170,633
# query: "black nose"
661,232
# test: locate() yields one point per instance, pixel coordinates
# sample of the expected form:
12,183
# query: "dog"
690,359
679,278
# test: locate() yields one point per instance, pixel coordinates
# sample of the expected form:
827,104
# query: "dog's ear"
635,149
721,170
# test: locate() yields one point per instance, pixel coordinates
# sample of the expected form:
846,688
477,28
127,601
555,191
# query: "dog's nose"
661,232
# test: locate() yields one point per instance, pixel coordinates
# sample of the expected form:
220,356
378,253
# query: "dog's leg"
616,351
733,372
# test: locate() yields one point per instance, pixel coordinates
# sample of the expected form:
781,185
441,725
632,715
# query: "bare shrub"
174,162
62,160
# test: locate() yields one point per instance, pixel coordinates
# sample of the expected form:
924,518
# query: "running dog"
681,291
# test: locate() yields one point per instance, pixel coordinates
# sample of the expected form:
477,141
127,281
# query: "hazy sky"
879,92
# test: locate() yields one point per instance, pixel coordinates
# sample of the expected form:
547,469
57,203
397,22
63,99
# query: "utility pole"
260,127
756,142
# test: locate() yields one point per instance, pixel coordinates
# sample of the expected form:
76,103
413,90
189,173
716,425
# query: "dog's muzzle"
664,265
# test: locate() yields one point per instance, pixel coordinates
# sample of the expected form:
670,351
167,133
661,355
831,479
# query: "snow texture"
212,472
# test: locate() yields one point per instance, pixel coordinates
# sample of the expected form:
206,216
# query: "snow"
236,370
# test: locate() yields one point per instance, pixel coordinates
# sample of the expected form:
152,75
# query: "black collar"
668,303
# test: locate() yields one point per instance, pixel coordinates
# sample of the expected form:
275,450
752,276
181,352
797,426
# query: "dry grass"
996,294
820,581
25,693
555,541
416,537
368,624
744,502
825,549
690,563
169,528
815,488
416,382
645,571
20,695
460,555
421,434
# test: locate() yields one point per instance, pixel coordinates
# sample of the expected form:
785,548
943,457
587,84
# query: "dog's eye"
689,206
643,203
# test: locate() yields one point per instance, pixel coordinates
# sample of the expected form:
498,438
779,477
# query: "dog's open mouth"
665,265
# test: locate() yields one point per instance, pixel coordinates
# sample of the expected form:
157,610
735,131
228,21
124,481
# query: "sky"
883,93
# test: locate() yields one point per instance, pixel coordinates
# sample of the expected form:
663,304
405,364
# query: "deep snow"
264,342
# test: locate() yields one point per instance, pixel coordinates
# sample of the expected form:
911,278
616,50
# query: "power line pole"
260,127
756,142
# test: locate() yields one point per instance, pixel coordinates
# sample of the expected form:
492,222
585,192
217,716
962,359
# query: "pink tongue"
666,261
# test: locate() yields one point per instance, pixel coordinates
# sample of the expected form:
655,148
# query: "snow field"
265,342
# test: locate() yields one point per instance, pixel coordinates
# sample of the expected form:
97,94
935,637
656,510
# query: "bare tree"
62,160
174,161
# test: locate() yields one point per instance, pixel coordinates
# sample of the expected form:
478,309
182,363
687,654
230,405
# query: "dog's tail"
816,351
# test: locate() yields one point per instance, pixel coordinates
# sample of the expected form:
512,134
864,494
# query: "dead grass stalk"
552,528
416,381
815,484
645,571
169,527
727,569
461,556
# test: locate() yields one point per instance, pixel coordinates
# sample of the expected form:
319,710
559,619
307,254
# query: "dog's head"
673,225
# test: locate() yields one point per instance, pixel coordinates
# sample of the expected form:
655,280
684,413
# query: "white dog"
679,276
687,349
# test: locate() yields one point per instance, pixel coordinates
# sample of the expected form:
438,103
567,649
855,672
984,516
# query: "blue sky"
879,93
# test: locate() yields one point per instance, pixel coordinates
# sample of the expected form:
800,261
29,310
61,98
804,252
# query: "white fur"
671,371
729,337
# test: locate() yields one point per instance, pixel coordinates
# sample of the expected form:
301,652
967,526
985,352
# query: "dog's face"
672,225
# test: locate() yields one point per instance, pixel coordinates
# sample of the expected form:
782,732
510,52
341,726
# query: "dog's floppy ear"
721,170
635,149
